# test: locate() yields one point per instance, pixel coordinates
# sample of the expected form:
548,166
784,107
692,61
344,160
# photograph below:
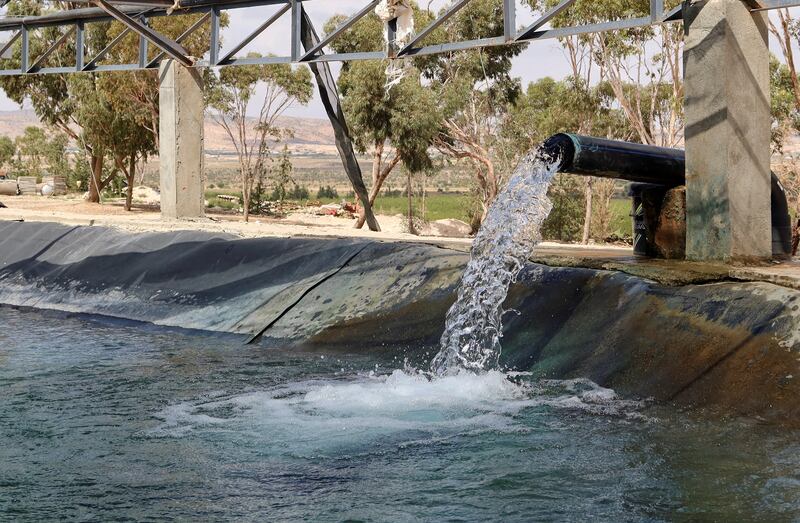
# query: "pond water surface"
100,421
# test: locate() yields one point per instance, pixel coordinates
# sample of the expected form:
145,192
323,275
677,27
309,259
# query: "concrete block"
726,65
181,141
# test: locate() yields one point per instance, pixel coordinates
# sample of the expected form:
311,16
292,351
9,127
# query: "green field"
621,224
438,206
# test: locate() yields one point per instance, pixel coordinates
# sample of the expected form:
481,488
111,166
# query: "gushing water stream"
471,340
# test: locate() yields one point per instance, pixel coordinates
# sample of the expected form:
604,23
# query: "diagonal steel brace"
170,47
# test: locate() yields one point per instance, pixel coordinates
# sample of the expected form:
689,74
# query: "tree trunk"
492,187
788,54
130,176
95,179
246,182
424,209
377,160
411,228
587,220
375,190
246,205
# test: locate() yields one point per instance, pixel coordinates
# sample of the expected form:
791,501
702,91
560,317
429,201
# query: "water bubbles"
474,324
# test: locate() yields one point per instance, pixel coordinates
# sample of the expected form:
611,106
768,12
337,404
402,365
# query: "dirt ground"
146,217
73,210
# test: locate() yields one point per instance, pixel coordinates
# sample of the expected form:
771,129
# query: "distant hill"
310,134
13,123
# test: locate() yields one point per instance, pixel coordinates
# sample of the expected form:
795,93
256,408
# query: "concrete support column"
726,63
181,141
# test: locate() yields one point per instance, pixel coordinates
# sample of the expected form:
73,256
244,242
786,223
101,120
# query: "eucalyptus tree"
32,146
37,153
78,105
48,94
230,93
8,150
642,66
396,124
112,125
785,28
474,90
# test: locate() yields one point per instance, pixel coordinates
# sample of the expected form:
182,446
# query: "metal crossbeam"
170,47
544,19
36,66
347,24
6,49
135,16
454,8
186,34
252,36
92,64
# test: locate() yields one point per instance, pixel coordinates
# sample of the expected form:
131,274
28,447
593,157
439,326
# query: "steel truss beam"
170,47
135,15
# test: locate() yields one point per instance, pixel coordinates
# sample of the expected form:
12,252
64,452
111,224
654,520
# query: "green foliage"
78,178
406,115
113,117
40,154
282,177
31,147
109,122
785,115
8,149
258,198
490,67
438,206
566,219
549,106
299,193
327,193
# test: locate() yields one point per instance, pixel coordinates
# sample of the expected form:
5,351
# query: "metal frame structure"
135,14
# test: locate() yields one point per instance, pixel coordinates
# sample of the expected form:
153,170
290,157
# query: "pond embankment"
693,335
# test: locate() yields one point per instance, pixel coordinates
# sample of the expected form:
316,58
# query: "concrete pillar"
726,63
181,141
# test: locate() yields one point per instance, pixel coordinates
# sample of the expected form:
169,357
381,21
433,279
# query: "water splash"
473,329
363,413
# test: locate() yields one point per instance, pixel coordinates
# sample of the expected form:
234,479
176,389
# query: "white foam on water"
320,417
402,392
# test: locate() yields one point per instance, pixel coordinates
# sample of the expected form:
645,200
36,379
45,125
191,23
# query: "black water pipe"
603,158
589,156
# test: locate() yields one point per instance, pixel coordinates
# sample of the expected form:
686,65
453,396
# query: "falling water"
471,340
